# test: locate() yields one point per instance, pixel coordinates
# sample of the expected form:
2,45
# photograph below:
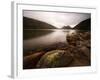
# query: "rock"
86,35
85,52
79,45
80,38
72,39
55,58
81,56
30,61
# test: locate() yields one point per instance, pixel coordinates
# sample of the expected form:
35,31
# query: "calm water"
43,38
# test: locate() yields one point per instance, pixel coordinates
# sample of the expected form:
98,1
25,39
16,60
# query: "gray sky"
57,19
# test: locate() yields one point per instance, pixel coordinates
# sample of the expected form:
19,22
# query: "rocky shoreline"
75,52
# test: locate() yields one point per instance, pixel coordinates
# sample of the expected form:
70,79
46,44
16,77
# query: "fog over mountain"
57,19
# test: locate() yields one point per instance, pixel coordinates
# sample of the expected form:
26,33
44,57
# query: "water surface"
42,38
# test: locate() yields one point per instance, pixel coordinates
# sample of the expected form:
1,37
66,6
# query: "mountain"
84,25
66,27
29,23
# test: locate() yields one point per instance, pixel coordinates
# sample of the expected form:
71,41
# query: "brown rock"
31,60
79,45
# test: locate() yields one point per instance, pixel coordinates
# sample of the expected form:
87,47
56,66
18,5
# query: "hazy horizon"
57,19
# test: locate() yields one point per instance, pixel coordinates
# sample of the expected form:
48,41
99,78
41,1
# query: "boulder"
80,46
30,61
55,58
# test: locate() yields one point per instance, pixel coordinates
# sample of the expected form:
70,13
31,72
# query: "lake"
34,39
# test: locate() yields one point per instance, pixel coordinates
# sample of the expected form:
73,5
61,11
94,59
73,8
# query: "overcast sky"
57,19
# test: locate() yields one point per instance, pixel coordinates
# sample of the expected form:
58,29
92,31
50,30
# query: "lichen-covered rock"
55,58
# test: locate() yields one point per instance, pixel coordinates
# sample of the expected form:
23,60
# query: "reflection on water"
31,33
42,38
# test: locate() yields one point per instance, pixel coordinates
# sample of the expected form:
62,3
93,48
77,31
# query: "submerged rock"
55,58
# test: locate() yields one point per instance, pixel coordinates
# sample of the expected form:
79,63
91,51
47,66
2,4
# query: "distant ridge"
66,27
29,23
84,25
